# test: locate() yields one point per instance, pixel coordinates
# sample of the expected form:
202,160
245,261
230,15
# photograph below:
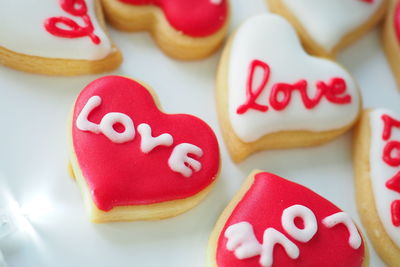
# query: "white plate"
33,157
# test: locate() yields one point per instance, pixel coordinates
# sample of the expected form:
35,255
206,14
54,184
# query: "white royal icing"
106,125
271,38
328,21
310,222
243,242
22,31
343,218
180,160
82,121
380,172
148,142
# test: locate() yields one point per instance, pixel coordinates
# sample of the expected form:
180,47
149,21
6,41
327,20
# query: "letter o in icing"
310,222
388,152
110,119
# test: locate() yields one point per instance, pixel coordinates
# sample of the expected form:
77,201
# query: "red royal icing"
262,207
68,28
281,93
251,94
395,210
391,153
197,18
368,1
120,174
391,156
394,183
389,123
397,20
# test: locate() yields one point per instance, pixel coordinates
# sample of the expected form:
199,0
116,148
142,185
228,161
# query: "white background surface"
33,157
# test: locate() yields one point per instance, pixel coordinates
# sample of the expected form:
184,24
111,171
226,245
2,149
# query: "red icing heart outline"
121,174
262,206
198,18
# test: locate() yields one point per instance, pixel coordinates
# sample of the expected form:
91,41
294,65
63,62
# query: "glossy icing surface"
271,39
121,174
197,18
320,18
396,21
262,206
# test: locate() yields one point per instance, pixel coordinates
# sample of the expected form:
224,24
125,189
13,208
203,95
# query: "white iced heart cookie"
271,94
326,26
60,37
377,180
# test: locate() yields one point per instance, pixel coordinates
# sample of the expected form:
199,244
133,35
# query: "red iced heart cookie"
319,26
274,222
137,162
183,29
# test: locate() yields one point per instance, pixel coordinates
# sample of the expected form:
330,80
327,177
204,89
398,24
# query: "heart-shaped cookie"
183,29
272,222
133,161
56,37
271,94
329,25
377,180
391,38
